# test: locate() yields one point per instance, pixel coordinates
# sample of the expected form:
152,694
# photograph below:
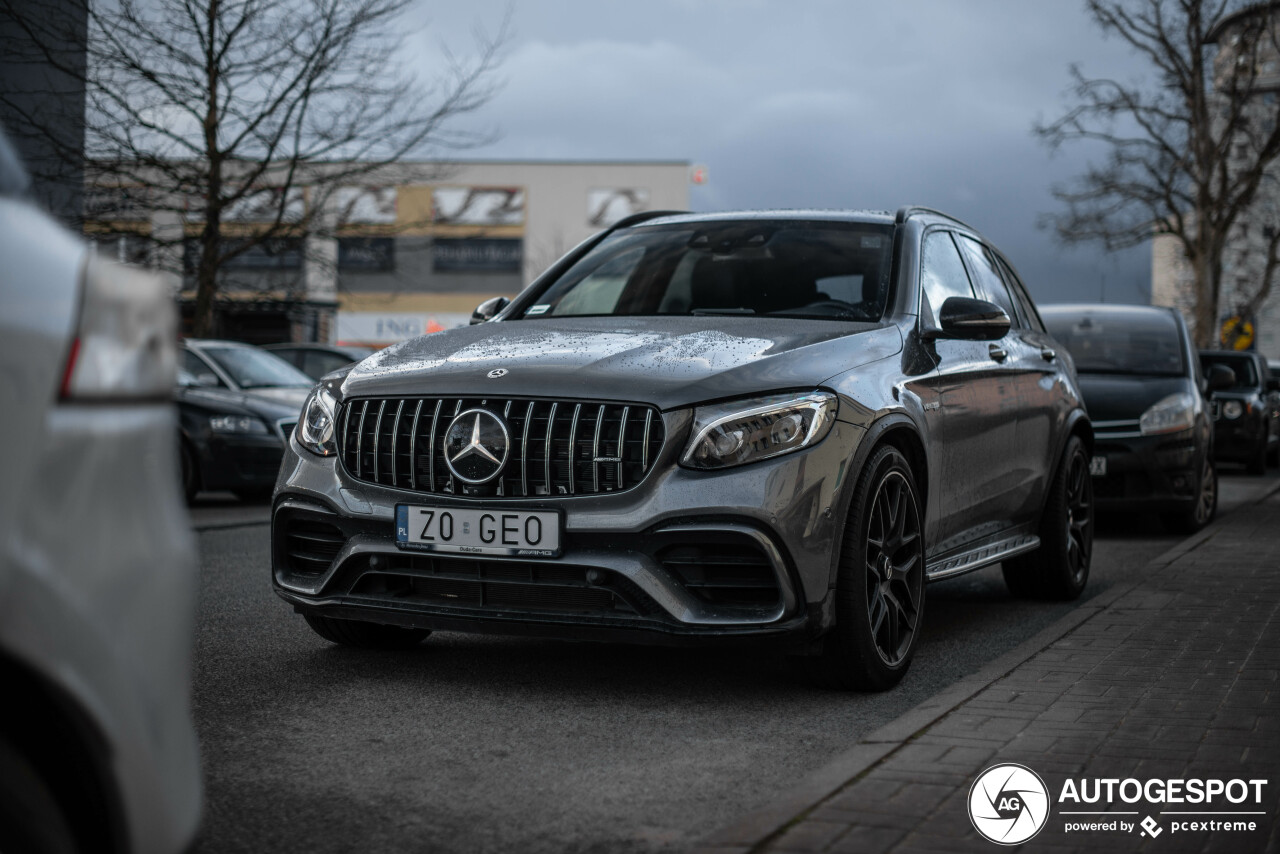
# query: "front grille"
557,447
310,546
736,573
497,585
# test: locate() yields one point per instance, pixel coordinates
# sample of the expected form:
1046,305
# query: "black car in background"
1145,392
316,360
1246,417
237,405
759,426
230,440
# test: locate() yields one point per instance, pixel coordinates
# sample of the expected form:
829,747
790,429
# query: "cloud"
824,103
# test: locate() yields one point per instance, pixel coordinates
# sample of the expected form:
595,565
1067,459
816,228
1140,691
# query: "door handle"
1048,354
997,353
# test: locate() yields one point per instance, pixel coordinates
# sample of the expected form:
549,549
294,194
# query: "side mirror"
1221,377
489,309
972,319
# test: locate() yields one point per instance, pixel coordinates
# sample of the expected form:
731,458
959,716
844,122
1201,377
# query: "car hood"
269,407
1124,397
669,361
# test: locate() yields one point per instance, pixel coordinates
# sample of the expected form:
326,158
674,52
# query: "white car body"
97,564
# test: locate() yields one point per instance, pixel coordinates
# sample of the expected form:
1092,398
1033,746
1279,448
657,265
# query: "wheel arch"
51,731
1077,424
895,429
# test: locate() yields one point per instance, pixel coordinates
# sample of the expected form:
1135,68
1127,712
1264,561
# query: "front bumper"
239,461
742,553
1147,473
1237,440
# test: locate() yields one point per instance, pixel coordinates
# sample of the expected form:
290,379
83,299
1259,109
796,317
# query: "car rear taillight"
125,343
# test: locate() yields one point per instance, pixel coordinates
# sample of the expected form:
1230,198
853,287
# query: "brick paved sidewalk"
1178,677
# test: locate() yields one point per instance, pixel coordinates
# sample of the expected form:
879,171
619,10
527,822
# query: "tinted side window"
942,273
1023,298
317,363
983,264
194,365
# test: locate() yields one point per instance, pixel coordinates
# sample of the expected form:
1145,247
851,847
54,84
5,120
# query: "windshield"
1242,366
780,268
1131,343
252,368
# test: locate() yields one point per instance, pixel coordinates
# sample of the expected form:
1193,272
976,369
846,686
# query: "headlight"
237,424
125,344
1232,409
743,431
1169,415
315,430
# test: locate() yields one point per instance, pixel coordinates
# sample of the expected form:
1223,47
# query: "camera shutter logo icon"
1009,804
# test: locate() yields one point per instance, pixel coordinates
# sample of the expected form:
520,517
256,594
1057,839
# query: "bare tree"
227,112
1185,156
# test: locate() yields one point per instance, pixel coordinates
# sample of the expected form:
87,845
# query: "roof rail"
643,216
907,210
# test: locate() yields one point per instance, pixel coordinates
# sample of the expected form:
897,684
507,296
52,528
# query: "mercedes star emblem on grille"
476,446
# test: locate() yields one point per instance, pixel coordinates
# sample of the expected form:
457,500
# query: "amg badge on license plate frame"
465,530
1098,466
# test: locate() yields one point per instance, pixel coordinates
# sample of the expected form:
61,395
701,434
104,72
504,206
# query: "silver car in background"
97,573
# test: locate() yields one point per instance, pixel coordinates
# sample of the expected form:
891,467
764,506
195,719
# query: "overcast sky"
817,103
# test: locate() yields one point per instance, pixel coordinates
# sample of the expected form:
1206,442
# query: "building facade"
1245,257
413,249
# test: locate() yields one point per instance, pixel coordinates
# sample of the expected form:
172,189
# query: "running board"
980,556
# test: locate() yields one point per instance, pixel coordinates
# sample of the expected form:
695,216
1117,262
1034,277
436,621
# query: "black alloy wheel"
1201,513
1059,569
880,583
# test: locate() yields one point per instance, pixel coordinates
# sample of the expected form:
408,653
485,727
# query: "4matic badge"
1009,804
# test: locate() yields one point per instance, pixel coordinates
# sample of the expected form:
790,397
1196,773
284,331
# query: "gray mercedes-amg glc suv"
763,425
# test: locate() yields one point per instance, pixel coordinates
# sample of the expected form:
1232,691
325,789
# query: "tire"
1258,462
255,494
879,583
358,633
1201,513
1059,569
190,472
31,821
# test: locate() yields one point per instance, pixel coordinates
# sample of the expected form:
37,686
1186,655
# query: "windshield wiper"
700,311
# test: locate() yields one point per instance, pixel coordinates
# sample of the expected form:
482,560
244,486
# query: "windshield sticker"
537,309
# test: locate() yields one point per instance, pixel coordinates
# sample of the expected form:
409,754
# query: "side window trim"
1021,294
970,245
922,297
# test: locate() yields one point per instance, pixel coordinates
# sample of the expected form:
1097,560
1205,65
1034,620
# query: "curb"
747,832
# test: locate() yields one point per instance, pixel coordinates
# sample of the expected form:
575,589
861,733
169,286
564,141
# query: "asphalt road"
474,744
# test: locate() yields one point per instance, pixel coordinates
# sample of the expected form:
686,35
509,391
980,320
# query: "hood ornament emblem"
497,372
476,446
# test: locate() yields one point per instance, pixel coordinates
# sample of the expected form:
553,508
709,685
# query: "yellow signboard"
1237,333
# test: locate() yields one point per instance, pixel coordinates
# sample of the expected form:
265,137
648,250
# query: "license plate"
528,533
1098,466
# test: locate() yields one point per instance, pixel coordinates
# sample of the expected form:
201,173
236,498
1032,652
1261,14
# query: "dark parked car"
316,360
1246,415
1145,392
760,426
237,405
230,440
